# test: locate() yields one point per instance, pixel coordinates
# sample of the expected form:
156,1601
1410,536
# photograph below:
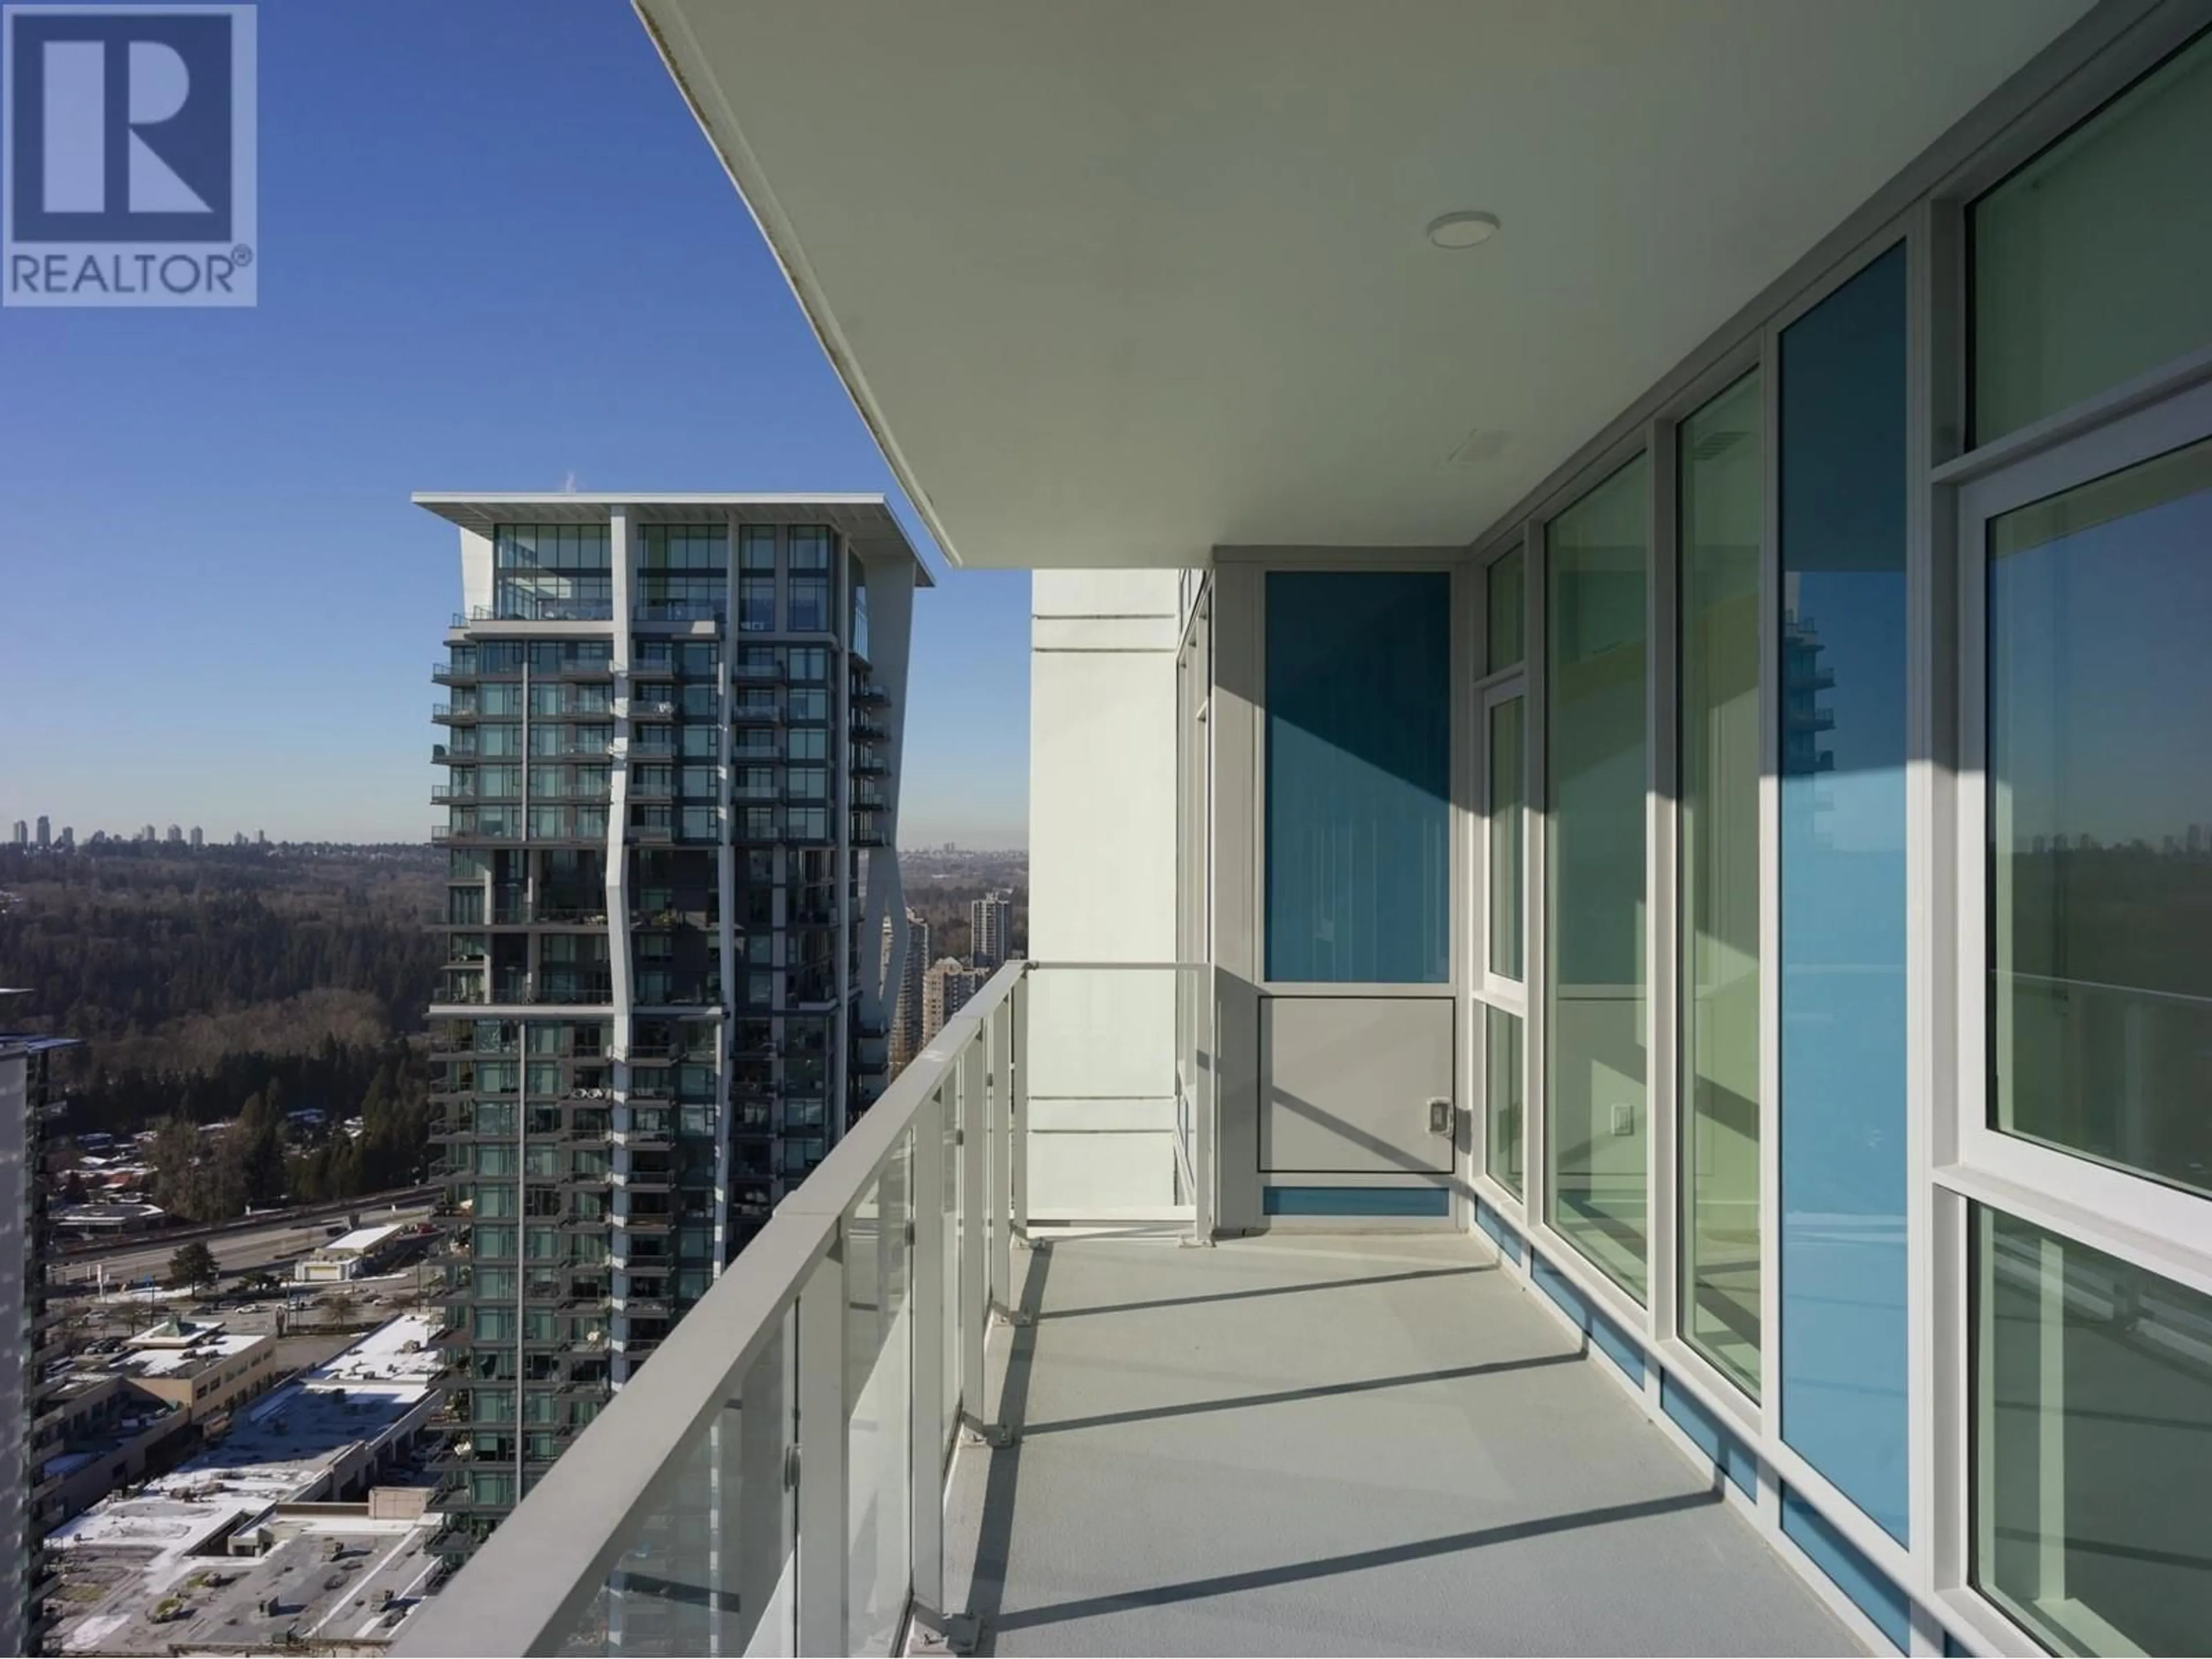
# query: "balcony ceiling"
1117,283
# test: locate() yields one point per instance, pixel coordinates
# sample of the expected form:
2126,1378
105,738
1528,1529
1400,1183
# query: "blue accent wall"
1502,1235
1871,1590
1609,1338
1358,691
1842,980
1355,1201
1707,1432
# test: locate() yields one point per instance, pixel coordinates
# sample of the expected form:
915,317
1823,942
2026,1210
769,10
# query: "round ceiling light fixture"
1462,229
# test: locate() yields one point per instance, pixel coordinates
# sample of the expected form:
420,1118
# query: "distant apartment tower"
261,838
176,836
238,838
198,839
68,839
21,835
945,989
990,930
45,831
29,1340
669,809
906,1011
149,832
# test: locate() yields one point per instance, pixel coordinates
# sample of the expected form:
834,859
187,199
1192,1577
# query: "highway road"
234,1253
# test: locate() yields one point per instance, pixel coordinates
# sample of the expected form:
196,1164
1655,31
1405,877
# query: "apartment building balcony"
452,673
446,713
1151,1453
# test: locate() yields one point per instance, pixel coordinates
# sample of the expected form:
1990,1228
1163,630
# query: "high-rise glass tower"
670,756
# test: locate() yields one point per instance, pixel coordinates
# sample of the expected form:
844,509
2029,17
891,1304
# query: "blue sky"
496,252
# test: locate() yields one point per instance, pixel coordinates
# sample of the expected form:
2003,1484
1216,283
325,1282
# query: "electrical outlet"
1624,1117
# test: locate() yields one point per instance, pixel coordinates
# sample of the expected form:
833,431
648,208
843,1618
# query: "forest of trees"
234,986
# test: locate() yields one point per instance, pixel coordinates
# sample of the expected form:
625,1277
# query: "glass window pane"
2100,873
2093,1444
1358,696
1505,609
1502,1096
1598,566
1507,824
2089,262
1840,964
1723,495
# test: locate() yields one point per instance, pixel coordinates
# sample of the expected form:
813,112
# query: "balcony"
1152,1452
445,713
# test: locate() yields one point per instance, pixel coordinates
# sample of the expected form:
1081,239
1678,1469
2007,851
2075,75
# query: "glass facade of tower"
648,1024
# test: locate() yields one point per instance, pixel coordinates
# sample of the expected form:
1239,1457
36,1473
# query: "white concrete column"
1101,890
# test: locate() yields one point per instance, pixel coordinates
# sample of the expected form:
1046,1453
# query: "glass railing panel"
711,1569
878,1396
951,1199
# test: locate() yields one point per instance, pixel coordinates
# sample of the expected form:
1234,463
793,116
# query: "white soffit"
1118,282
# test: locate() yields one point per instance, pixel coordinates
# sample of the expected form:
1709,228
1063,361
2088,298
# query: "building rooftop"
281,1449
867,521
180,1347
322,1579
360,1240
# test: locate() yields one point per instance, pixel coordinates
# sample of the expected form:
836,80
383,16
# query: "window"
2099,870
757,604
1507,833
1839,968
1506,611
810,663
808,706
1597,1109
1722,506
807,783
809,604
682,547
805,745
2088,263
1358,760
810,547
2092,1393
1502,1097
756,549
698,781
698,823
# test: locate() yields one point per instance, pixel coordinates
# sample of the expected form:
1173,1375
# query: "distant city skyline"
240,478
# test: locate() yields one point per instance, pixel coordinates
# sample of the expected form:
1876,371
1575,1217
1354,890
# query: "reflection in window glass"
1502,1096
1507,821
2100,872
2089,262
1596,1032
2093,1444
1840,1355
1505,609
1723,515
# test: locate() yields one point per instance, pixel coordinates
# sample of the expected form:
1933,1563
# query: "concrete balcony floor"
1342,1444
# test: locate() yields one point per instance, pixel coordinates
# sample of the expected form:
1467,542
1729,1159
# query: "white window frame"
2137,1217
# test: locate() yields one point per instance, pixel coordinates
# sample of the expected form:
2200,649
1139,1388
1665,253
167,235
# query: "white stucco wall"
1101,890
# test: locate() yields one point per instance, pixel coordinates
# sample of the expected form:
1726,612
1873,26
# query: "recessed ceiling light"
1462,229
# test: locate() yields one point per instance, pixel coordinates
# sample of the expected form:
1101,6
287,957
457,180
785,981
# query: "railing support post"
823,1546
999,1032
1018,1003
974,1216
926,1431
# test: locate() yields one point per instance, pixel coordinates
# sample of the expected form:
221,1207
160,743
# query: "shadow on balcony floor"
1339,1445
